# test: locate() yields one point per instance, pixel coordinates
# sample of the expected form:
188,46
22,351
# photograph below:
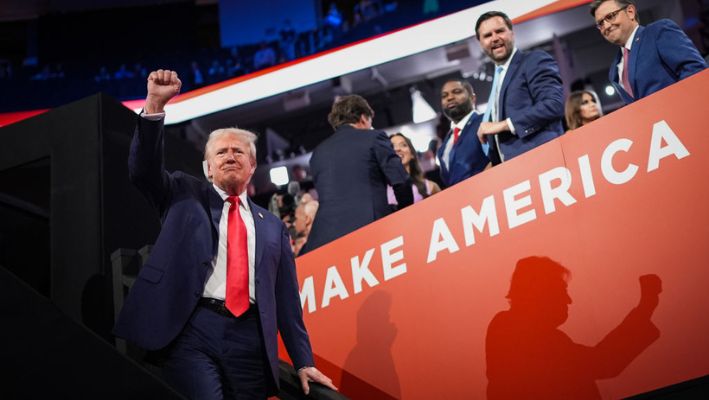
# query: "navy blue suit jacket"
351,170
466,157
532,96
172,280
661,54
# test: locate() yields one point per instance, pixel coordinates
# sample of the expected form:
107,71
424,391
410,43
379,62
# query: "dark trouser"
219,357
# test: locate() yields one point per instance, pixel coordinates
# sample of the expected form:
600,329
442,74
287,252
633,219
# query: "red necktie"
237,261
456,132
626,81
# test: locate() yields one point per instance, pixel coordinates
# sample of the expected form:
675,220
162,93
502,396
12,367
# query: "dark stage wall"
47,355
66,203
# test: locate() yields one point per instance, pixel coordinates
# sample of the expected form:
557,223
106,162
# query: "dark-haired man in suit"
650,57
461,154
351,170
526,105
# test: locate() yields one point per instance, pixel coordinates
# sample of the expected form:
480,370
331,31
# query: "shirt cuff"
153,116
509,125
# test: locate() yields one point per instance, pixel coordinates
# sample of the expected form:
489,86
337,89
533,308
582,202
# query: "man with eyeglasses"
651,57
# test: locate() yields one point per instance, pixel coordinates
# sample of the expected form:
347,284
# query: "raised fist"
650,289
650,285
163,85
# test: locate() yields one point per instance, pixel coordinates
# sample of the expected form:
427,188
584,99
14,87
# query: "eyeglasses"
610,17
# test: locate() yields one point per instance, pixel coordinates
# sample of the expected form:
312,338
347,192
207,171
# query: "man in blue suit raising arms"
526,103
220,281
461,154
650,57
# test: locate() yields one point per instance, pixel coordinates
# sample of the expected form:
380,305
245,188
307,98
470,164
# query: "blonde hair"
244,135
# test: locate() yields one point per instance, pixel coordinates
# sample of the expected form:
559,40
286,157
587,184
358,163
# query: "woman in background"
422,187
582,107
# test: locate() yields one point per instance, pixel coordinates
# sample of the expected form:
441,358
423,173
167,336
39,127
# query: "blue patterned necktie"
493,95
491,102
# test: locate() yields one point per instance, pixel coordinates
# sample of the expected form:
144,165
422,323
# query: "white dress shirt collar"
506,65
461,124
243,199
629,43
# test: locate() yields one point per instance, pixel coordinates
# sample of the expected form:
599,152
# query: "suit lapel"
454,146
614,78
473,123
613,75
635,49
463,133
260,231
509,75
470,122
216,205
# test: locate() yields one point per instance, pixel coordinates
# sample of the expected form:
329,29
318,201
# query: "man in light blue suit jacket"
658,54
177,303
460,156
528,107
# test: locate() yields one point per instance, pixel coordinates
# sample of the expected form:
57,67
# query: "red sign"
423,303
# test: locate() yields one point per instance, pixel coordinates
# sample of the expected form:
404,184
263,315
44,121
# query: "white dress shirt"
215,287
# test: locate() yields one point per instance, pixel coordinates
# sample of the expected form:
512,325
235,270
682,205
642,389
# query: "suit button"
256,280
197,294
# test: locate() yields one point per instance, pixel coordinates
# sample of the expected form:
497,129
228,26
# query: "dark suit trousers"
219,357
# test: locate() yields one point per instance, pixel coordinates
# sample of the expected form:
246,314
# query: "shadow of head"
538,289
374,323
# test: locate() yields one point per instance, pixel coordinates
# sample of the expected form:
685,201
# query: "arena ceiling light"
279,175
421,110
